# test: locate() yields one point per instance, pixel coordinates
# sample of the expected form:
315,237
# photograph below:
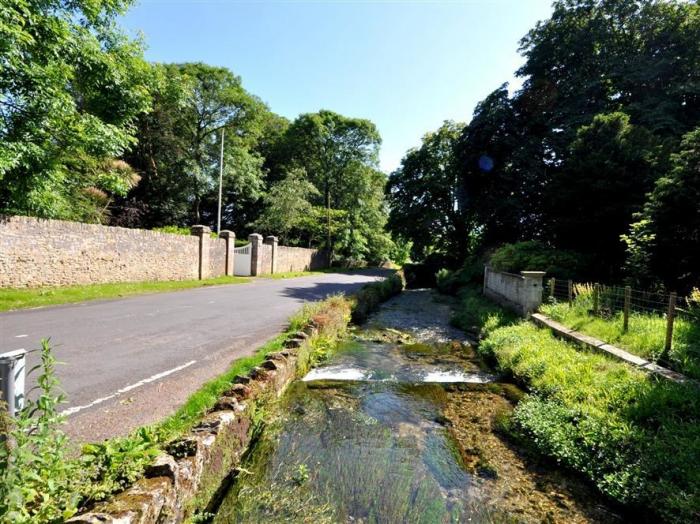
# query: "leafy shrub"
636,437
536,256
693,304
471,273
370,296
178,230
117,463
37,481
173,230
478,315
445,281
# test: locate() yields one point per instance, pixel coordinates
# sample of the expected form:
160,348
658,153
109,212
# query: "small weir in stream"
400,425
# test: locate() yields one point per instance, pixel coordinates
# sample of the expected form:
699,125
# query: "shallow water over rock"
359,360
399,426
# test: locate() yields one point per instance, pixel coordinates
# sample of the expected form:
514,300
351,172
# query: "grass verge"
478,315
645,337
23,298
636,437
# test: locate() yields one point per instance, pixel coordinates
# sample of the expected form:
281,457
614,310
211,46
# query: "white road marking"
21,336
157,376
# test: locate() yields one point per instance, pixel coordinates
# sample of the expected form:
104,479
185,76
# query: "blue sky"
407,66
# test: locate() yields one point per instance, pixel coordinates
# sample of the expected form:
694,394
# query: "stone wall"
291,259
521,293
36,252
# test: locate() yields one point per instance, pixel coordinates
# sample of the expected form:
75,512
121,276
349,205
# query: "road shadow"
321,290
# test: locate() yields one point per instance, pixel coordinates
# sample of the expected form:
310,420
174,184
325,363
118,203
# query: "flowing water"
400,426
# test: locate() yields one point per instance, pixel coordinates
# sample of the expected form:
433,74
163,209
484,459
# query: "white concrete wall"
521,293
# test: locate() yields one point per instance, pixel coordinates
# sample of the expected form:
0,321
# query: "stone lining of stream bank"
594,343
192,476
189,475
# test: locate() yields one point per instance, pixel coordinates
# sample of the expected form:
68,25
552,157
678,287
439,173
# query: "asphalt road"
129,361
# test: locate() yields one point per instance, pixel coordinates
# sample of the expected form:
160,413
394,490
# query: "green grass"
47,296
477,314
645,337
635,436
197,405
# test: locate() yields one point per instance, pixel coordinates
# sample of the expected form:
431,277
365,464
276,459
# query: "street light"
221,181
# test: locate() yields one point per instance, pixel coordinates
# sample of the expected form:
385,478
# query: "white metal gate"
241,261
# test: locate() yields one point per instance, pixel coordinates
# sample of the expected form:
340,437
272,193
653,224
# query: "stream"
401,424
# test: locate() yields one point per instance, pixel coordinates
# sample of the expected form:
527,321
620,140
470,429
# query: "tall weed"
37,481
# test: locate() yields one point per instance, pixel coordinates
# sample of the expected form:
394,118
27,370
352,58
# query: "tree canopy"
422,194
584,155
71,88
339,156
91,131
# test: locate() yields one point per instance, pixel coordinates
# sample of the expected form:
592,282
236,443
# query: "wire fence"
608,301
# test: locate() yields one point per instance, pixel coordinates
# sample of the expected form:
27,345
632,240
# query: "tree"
492,191
179,147
609,88
71,88
287,206
339,155
422,194
664,242
601,56
592,199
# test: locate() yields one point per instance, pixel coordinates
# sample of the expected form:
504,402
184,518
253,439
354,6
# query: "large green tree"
423,195
71,88
339,154
664,242
178,153
287,207
592,200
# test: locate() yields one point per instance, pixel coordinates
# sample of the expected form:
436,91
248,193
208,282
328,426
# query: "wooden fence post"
551,287
670,315
571,293
626,311
596,299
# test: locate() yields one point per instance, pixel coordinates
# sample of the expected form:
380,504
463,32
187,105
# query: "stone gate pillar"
272,241
230,238
256,242
203,233
532,291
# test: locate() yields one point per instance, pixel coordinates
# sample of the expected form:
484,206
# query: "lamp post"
221,182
